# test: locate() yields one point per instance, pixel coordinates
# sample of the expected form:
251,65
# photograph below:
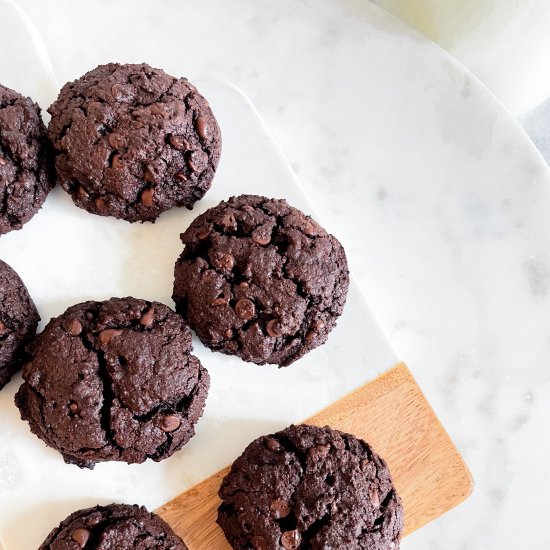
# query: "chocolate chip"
3,161
223,261
178,142
219,302
318,325
190,164
310,335
374,497
81,193
180,176
170,423
202,128
105,336
309,229
244,284
272,444
73,407
80,536
319,451
291,539
147,197
2,326
280,508
73,327
116,141
100,204
204,234
245,309
274,328
228,333
116,162
228,221
262,240
259,543
147,318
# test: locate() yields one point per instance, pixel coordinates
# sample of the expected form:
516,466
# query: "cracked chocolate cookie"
113,380
261,280
310,488
26,177
132,141
18,322
119,526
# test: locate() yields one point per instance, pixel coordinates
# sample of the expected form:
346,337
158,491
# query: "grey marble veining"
441,201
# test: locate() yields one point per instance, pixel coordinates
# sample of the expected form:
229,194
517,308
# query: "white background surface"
441,201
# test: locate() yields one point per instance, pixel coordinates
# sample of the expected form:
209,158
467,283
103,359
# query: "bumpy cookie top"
119,526
260,279
25,169
132,141
18,321
113,380
310,488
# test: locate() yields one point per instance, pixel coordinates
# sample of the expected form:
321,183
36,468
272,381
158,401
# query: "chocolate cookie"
26,177
113,380
18,321
116,526
260,279
131,142
310,488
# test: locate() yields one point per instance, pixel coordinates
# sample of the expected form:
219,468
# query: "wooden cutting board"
391,414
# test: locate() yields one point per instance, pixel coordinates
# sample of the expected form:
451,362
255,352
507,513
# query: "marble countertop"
460,277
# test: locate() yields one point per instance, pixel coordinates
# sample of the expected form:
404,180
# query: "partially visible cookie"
18,322
113,527
310,488
261,280
113,380
132,141
26,177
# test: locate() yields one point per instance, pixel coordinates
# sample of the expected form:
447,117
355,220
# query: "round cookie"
261,280
310,488
26,177
18,322
113,380
132,141
119,526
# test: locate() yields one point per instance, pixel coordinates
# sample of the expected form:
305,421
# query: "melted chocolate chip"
280,508
81,536
170,423
202,128
245,309
273,328
147,197
105,336
291,539
147,318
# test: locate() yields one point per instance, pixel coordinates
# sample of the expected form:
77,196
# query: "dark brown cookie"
113,380
18,322
260,279
26,177
116,526
132,141
310,488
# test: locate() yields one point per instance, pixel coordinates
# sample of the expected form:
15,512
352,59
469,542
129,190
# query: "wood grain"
392,414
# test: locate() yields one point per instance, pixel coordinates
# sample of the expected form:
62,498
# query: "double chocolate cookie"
132,141
261,280
26,177
113,380
116,526
310,488
18,321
